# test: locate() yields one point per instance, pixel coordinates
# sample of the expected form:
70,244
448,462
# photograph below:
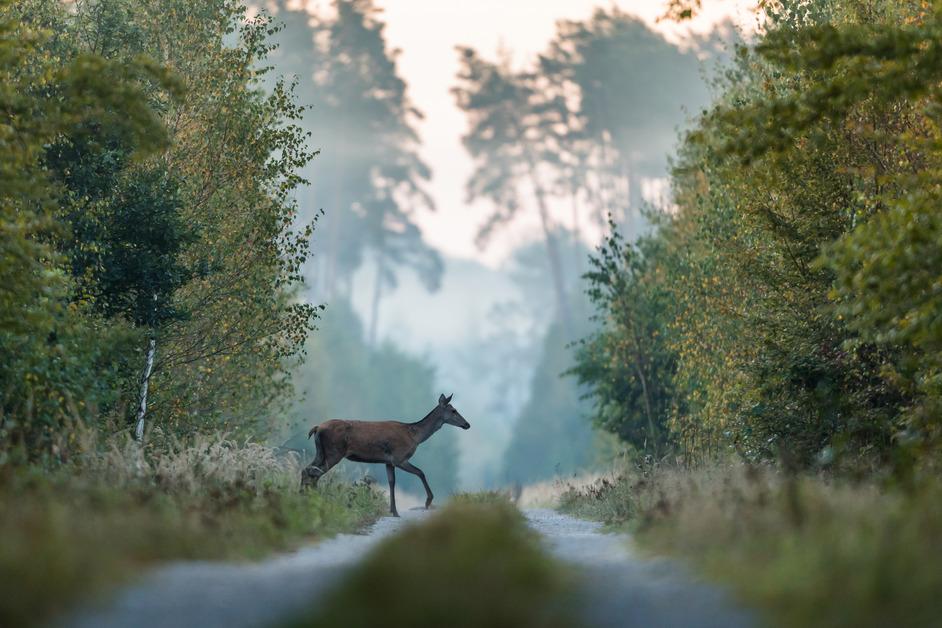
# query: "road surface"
620,589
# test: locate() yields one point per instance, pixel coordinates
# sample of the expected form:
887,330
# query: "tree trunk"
640,367
635,204
552,250
145,383
377,295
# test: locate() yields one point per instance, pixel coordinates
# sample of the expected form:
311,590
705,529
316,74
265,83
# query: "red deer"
385,442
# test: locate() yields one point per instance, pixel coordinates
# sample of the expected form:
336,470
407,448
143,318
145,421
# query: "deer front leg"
391,476
414,470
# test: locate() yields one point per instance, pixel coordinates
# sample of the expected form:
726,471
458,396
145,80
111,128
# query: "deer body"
391,443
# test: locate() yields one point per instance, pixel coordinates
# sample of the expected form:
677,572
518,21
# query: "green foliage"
628,363
473,564
139,194
789,295
55,349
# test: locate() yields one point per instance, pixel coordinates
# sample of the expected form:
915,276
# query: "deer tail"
312,432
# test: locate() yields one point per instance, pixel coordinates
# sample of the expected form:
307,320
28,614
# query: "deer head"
449,414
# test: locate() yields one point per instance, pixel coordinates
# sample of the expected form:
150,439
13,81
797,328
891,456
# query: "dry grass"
192,466
808,550
89,524
549,493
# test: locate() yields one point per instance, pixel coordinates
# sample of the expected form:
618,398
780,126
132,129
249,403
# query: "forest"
721,331
785,307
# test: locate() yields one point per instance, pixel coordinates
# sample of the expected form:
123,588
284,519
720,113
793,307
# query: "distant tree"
633,88
595,116
506,139
551,436
363,122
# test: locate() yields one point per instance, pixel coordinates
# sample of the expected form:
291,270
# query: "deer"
391,443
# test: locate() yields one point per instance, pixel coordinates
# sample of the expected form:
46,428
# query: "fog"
450,257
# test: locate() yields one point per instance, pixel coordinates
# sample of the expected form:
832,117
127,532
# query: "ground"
621,588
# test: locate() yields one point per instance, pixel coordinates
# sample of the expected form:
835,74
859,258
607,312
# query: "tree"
628,364
51,346
170,179
363,121
800,263
505,139
627,115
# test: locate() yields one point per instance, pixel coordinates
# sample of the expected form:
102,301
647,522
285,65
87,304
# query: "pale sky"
427,31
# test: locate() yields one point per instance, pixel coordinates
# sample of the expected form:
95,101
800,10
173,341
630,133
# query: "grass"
809,551
475,563
97,521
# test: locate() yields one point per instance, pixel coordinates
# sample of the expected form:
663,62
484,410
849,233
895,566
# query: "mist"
557,146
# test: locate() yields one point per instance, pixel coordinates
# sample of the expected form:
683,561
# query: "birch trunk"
145,383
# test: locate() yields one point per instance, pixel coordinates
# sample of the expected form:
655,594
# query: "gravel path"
625,591
235,595
621,589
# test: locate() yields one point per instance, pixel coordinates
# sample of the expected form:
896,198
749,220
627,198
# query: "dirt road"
621,589
236,595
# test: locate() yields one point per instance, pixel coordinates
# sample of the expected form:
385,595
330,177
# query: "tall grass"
117,508
809,550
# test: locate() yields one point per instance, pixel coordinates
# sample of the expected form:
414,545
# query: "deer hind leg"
408,467
391,476
323,462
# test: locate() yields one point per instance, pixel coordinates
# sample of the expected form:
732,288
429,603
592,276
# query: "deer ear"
448,398
442,401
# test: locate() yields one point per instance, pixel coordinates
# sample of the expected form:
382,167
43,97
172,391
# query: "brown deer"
385,442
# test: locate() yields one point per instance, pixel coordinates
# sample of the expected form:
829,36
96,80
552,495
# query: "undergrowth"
105,516
808,550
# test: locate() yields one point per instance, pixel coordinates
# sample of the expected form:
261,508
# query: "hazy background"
417,303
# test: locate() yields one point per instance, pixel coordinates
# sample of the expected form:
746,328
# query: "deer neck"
427,426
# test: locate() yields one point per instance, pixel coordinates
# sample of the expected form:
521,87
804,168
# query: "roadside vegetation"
150,255
475,563
805,550
785,314
107,517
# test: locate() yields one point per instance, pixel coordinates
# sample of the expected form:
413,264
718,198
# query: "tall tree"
58,167
632,90
203,220
506,139
364,124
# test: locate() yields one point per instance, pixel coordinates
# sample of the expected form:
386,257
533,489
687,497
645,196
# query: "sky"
427,31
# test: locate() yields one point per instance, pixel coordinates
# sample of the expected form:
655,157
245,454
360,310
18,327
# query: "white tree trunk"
145,382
